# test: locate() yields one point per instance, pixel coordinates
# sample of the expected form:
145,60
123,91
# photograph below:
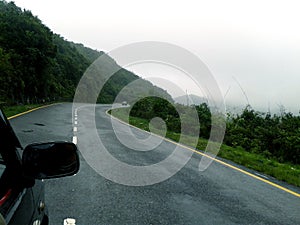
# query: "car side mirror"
50,160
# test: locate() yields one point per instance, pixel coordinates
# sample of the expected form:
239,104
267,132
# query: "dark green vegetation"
266,143
33,66
37,65
272,136
13,110
151,107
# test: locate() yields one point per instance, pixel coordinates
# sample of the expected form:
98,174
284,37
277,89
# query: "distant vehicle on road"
21,189
124,103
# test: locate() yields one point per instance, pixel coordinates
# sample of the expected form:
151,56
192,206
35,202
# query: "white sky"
257,42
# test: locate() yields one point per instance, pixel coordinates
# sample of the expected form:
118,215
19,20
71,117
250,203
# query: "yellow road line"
31,110
218,161
247,173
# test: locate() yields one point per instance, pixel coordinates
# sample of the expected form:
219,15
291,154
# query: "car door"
16,199
21,185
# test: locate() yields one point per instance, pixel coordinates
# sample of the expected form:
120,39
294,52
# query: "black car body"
22,198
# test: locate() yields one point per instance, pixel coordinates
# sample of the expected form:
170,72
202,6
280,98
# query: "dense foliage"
37,65
174,115
276,136
151,107
26,51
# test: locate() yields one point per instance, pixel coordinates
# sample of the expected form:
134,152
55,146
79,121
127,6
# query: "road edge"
266,181
31,110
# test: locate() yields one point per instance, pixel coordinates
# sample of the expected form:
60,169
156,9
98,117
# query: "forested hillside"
37,65
88,53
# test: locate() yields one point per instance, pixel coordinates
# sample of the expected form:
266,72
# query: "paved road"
220,195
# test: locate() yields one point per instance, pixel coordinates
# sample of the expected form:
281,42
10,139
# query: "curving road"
219,195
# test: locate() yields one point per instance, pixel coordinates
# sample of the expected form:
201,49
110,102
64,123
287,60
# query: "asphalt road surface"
219,195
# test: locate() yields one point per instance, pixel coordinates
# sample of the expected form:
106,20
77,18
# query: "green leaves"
28,45
273,136
37,65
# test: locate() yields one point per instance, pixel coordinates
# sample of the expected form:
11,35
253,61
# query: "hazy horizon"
251,48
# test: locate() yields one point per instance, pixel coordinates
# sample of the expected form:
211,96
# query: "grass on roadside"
281,171
14,110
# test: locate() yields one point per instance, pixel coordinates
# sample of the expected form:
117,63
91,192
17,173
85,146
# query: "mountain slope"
37,65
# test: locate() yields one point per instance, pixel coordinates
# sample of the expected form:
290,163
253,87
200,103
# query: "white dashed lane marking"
74,140
75,128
